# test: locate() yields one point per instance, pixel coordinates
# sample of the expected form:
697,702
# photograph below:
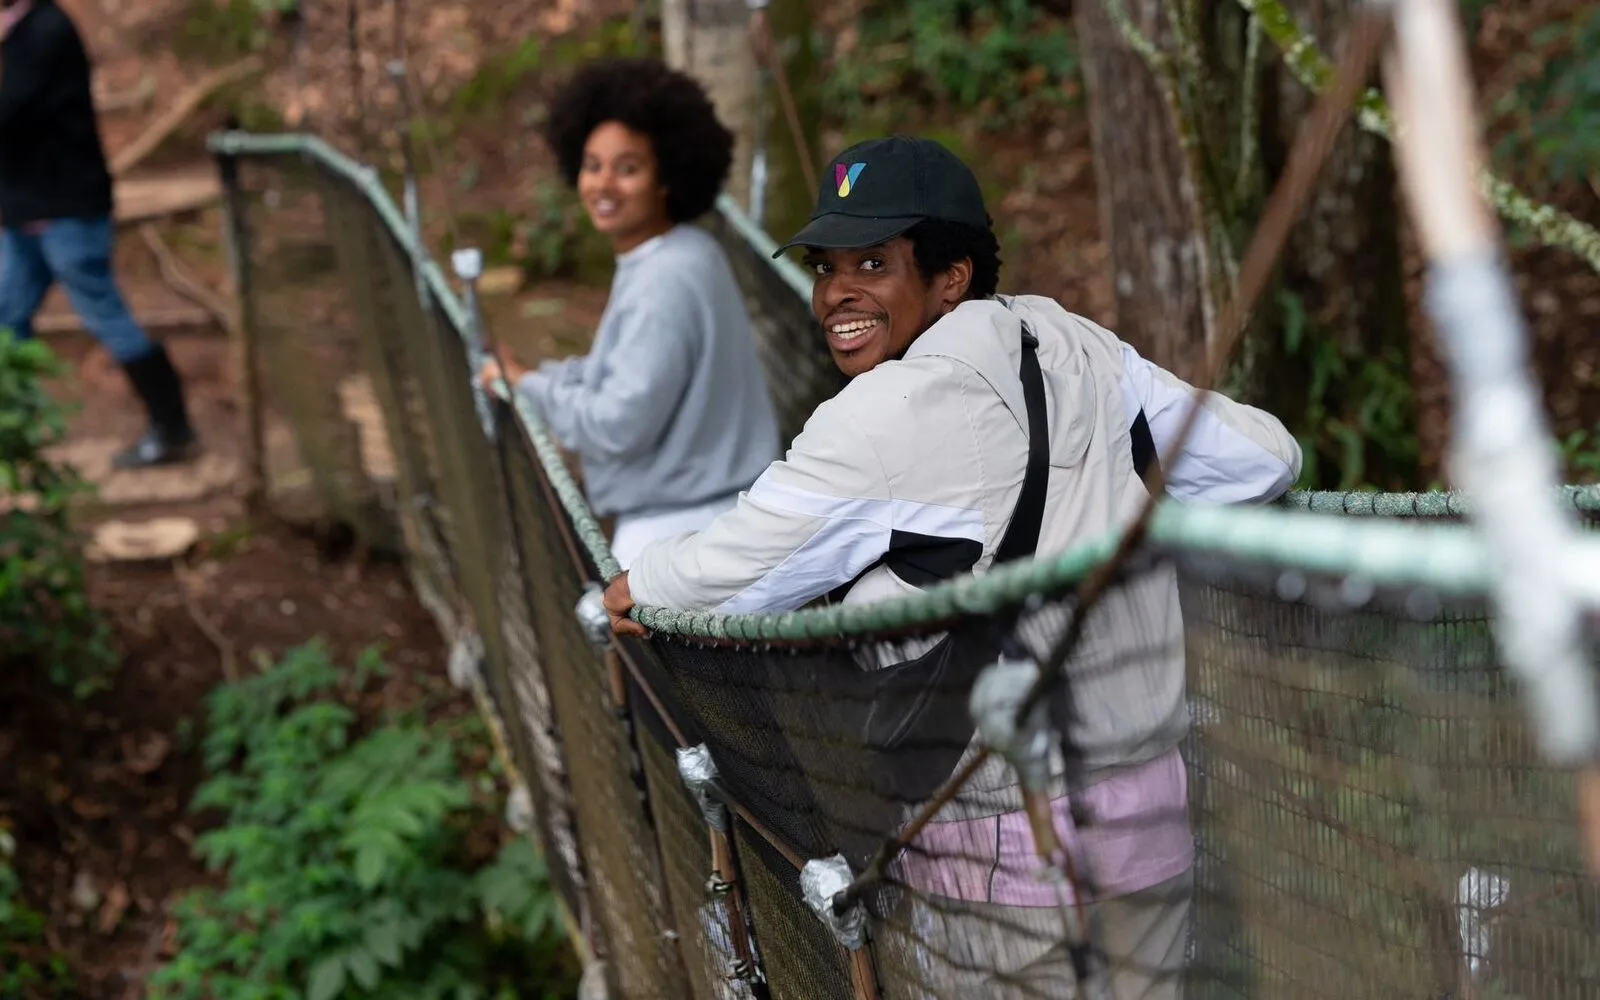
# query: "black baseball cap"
876,190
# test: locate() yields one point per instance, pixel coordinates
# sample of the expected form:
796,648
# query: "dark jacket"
52,165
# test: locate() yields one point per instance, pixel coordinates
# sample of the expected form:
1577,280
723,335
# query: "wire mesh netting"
1258,780
321,461
616,839
1375,818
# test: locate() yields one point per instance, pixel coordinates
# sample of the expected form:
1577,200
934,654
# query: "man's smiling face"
873,301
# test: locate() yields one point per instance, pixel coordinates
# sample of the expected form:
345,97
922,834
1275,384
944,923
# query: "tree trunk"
675,33
1348,381
710,40
1148,196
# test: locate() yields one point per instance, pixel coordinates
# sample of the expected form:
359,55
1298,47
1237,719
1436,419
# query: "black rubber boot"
170,437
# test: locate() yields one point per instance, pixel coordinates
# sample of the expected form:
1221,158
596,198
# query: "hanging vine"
1311,67
1181,76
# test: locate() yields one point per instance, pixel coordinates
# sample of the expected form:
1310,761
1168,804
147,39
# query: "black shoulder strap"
1022,534
1144,445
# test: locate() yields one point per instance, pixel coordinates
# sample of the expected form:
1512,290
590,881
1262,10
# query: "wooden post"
675,19
242,333
724,870
863,980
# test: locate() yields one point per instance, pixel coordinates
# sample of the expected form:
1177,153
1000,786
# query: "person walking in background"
55,215
669,412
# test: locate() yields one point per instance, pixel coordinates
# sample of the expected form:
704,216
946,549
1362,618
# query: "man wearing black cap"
979,428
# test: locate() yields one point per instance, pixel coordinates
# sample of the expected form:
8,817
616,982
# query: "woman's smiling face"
873,302
620,186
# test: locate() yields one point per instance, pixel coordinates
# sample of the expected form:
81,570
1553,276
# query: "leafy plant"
1358,427
554,239
499,79
45,614
550,239
1554,118
27,968
500,83
1005,60
220,30
354,865
1580,453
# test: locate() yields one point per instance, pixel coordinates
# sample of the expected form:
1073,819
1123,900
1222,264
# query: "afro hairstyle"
693,149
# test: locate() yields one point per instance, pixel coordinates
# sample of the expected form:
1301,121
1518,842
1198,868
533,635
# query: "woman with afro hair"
669,412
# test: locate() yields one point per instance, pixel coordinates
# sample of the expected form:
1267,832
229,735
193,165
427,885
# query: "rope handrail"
1295,534
1430,504
762,243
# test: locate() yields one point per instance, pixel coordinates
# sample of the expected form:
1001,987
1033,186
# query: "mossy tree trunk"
1193,117
1149,195
710,40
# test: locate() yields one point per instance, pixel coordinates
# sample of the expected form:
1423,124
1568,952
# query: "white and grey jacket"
910,476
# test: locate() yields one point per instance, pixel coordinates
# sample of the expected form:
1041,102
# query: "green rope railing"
567,489
1296,534
1438,503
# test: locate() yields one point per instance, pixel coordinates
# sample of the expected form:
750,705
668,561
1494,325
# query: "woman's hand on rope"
619,601
491,374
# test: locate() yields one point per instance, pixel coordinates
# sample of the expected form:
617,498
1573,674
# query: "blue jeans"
77,253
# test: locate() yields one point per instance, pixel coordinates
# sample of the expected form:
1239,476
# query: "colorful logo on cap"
846,177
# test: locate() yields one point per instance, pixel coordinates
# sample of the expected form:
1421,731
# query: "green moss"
498,80
256,115
219,33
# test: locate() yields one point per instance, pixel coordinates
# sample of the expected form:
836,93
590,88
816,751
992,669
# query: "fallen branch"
187,584
186,105
138,97
170,318
163,195
178,277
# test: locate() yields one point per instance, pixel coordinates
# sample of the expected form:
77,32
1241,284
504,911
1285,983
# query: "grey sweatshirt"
670,407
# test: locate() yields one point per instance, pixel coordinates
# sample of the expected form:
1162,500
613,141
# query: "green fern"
347,860
45,614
